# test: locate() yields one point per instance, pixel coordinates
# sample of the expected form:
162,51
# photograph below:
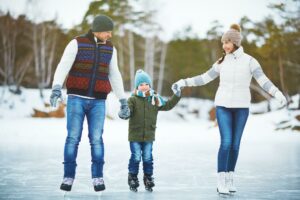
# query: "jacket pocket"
135,127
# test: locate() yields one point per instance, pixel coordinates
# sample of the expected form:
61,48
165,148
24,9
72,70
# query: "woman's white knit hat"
233,35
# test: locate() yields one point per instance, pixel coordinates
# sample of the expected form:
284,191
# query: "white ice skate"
229,182
221,183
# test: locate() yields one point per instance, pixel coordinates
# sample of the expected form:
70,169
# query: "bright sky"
173,15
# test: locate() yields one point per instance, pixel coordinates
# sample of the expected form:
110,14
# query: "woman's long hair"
224,54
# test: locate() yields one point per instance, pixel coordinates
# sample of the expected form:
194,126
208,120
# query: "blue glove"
124,112
176,90
55,95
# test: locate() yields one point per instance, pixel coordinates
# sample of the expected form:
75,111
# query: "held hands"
177,87
55,95
280,98
124,112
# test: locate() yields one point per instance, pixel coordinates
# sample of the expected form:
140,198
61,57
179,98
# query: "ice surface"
31,154
185,155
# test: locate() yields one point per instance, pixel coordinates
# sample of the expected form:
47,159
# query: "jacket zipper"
144,120
234,79
92,84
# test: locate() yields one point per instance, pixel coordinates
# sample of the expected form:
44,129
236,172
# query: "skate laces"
149,178
229,179
68,181
98,181
222,179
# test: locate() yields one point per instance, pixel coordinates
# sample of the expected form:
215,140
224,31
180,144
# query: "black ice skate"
133,182
98,184
67,184
149,182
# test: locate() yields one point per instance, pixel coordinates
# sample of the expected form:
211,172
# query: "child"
144,105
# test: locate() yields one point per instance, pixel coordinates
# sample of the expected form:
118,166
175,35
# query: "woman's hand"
280,98
177,87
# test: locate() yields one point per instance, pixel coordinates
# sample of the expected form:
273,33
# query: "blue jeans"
231,123
141,150
94,110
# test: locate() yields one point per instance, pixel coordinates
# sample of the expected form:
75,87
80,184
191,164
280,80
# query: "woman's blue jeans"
231,123
94,110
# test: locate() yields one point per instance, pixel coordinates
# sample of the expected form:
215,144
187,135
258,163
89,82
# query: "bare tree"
9,34
121,60
14,64
149,55
131,58
162,67
44,45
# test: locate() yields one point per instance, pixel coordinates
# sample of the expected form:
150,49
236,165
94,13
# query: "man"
90,64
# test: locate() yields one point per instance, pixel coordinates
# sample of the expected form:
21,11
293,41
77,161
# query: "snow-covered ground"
185,155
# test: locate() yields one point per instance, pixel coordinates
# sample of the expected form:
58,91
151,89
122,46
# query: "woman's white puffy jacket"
235,73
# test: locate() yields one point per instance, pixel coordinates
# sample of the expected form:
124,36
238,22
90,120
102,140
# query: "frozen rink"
185,153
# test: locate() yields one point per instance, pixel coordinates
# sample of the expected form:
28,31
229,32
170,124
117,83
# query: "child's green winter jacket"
143,115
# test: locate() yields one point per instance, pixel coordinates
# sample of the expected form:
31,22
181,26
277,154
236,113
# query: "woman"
232,100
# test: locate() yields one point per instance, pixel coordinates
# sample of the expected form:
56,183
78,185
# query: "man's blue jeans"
231,123
141,150
94,110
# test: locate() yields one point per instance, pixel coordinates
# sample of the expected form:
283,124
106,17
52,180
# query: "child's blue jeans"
141,150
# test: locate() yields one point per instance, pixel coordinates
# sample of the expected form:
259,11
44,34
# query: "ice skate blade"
223,193
149,189
133,189
99,195
66,195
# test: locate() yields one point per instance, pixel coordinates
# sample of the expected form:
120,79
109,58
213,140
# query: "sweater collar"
237,53
93,39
